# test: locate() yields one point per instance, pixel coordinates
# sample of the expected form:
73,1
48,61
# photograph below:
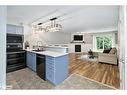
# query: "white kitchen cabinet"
14,29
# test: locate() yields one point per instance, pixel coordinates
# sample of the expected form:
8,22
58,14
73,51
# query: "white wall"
2,47
46,37
55,38
88,39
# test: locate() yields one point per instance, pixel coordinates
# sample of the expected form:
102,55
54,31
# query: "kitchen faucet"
38,46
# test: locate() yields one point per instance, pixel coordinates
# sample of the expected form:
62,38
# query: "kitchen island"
56,65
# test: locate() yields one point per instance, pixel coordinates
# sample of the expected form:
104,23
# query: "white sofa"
110,57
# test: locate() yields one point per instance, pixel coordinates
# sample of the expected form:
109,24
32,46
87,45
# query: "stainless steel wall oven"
15,53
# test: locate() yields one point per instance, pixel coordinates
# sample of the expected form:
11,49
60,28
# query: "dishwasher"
41,67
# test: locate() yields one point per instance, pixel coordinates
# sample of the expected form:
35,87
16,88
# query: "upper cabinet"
14,29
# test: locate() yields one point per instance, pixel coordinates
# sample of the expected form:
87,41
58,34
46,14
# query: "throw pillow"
107,50
113,51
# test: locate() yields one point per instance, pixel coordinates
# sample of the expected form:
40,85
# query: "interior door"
122,46
125,48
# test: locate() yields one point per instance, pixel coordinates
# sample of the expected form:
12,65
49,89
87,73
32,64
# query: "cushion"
107,50
113,51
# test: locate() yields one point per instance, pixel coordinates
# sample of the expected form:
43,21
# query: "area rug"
78,82
27,79
86,58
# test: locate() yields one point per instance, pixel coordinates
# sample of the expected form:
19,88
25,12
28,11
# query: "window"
102,42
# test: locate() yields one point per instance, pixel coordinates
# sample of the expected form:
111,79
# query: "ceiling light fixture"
53,27
38,28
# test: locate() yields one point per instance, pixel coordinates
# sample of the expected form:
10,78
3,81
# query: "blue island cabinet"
31,61
56,69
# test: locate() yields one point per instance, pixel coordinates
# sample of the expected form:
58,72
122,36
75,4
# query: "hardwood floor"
101,72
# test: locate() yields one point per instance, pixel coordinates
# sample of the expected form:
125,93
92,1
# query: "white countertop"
49,53
55,46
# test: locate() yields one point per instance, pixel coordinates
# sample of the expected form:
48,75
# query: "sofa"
110,58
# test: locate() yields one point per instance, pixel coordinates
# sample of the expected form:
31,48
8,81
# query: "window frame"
102,35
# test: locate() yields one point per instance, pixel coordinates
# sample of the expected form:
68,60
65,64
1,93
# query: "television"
78,38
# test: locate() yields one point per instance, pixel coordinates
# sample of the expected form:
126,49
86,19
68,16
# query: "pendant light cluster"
53,27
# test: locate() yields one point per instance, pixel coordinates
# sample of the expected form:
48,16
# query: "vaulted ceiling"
73,18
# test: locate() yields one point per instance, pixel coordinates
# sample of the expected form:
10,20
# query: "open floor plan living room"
64,47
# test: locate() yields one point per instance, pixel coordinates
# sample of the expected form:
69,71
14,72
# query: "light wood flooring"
101,72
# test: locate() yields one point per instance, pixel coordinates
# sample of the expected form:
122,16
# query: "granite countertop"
48,53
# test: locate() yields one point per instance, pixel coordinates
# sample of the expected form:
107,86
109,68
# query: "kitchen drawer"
50,77
49,68
50,58
50,63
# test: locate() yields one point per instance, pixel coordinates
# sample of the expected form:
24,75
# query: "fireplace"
77,48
